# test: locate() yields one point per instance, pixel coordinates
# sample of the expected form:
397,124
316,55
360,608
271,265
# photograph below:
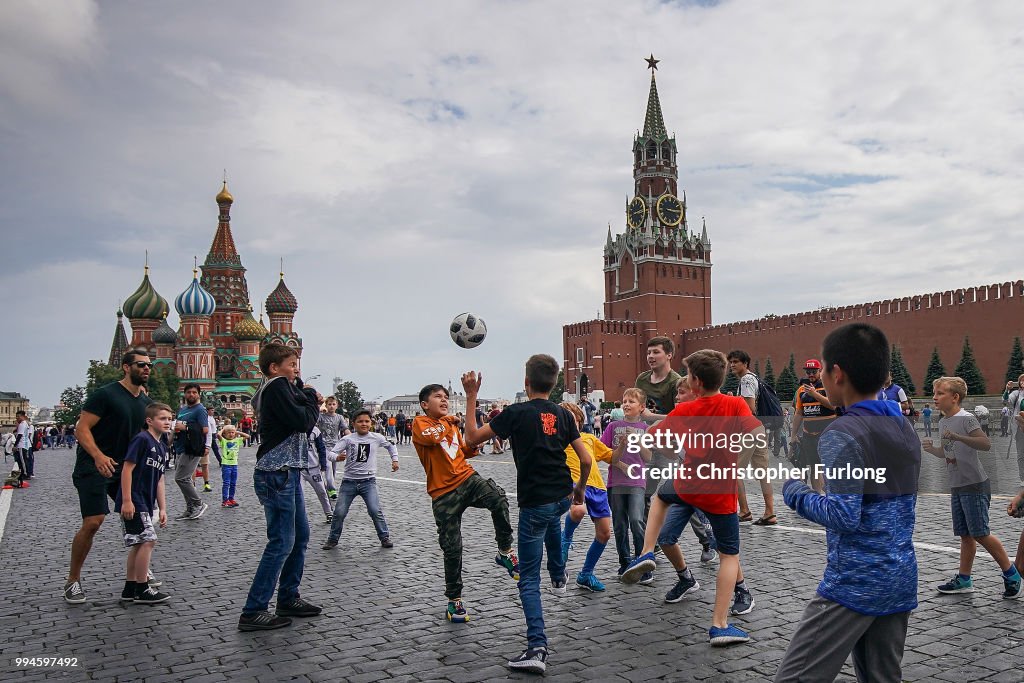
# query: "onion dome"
145,302
195,300
224,197
248,329
164,334
281,300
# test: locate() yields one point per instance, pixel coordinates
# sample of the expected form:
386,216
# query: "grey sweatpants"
316,480
829,632
183,471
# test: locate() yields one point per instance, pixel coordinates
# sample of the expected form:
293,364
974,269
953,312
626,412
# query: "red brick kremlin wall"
990,315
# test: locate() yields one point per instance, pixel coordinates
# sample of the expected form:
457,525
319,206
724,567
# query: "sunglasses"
141,364
811,371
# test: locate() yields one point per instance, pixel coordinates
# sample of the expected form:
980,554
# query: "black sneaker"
297,608
328,544
73,593
386,542
686,584
533,659
151,596
261,621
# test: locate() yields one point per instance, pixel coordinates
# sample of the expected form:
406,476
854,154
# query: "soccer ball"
468,331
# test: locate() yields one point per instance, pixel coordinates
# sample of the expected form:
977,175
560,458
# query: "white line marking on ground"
5,506
780,527
821,532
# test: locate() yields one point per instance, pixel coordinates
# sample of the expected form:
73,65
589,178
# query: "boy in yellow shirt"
595,504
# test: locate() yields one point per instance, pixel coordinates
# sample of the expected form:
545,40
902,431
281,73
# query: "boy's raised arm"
475,436
839,508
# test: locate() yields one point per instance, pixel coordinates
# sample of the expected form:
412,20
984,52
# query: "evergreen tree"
786,385
1015,366
731,384
757,367
349,398
935,370
900,374
556,393
769,373
967,369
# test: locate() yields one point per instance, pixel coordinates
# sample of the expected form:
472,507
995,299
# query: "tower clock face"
636,212
670,210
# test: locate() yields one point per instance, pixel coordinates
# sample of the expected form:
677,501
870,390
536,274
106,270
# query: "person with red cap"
812,412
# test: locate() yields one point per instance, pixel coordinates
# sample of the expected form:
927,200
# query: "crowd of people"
846,412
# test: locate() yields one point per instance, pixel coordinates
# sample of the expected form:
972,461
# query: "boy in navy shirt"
140,497
539,431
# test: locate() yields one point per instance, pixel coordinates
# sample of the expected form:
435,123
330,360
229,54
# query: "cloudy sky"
413,160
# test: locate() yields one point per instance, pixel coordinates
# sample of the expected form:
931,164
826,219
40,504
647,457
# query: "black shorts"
93,491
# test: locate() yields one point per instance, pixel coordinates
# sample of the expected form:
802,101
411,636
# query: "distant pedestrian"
926,417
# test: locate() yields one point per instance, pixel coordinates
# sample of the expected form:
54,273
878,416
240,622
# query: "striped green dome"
145,302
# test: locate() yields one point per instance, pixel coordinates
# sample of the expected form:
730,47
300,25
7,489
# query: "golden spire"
224,197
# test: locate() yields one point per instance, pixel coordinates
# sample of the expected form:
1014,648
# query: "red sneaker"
226,504
233,503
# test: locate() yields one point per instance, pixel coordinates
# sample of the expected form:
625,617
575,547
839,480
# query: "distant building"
10,403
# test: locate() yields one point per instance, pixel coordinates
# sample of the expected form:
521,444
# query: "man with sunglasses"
812,412
111,416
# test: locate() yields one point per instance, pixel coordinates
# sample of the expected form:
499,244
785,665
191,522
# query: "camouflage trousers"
475,492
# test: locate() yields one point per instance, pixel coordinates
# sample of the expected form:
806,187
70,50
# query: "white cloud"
410,164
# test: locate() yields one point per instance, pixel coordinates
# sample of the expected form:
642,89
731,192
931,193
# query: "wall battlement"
955,299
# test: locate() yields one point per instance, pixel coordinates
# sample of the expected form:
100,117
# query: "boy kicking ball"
454,486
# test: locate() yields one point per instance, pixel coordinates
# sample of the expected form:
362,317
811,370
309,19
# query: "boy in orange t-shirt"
454,485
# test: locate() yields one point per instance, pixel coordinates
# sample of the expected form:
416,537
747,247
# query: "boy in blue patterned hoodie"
865,598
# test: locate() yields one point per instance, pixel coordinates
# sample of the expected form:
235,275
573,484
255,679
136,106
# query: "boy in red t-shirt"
719,419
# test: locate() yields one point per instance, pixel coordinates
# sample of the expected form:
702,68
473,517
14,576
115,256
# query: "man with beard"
111,416
191,427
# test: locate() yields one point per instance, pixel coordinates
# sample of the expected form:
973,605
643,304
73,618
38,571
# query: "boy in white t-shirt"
359,452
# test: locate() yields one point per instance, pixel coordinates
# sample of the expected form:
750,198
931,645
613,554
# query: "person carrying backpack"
756,395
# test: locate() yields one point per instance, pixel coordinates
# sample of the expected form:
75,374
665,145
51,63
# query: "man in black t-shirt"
111,417
539,431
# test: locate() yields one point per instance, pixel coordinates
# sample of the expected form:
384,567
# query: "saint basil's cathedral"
218,341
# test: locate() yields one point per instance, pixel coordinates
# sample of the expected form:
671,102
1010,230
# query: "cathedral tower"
195,349
145,309
224,278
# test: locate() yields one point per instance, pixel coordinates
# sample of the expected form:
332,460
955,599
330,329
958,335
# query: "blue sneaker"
589,582
730,635
1013,587
957,584
567,545
638,567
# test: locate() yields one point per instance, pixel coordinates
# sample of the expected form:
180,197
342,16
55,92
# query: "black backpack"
768,406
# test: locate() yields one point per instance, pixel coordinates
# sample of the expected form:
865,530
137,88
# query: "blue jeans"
280,494
229,477
539,527
349,491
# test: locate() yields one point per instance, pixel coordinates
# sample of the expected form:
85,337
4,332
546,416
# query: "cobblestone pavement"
383,609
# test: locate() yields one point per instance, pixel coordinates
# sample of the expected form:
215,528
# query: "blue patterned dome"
195,300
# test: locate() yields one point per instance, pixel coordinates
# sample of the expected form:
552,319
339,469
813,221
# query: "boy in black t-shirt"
539,432
140,497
